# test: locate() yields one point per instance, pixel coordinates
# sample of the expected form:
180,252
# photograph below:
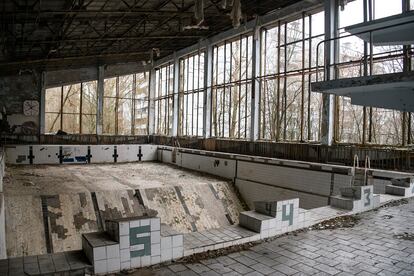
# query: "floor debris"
335,223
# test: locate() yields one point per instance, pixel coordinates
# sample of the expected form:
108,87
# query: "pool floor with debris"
48,207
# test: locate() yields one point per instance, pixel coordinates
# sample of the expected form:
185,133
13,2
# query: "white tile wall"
49,154
298,179
252,191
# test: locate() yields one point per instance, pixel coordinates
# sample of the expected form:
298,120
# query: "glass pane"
226,111
235,61
294,30
234,113
109,115
53,97
384,8
315,114
142,80
318,23
200,118
293,107
294,56
386,126
70,123
317,51
270,51
89,97
126,84
110,87
124,116
52,122
141,117
220,61
350,128
352,14
88,124
71,98
201,74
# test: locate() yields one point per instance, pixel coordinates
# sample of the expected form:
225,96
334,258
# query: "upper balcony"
379,73
393,30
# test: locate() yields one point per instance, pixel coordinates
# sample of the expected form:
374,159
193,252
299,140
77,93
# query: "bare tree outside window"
164,99
231,90
71,108
381,126
125,109
191,95
288,109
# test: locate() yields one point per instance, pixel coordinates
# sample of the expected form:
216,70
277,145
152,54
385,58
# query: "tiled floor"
68,263
370,248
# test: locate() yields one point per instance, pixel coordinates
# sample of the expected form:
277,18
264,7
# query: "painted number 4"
367,200
285,215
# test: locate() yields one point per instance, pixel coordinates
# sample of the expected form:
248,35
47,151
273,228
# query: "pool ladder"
360,175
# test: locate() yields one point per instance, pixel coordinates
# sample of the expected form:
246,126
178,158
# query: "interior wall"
16,89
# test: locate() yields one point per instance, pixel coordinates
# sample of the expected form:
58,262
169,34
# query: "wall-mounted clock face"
31,108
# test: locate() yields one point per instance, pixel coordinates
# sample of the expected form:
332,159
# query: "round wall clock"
31,108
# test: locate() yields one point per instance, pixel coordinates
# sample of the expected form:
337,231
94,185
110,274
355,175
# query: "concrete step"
351,192
399,191
342,202
402,182
358,182
268,208
255,221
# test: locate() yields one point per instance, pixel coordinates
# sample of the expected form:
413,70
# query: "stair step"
342,202
255,221
351,192
399,191
402,182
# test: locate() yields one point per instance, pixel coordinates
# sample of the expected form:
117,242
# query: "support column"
406,118
176,91
151,103
254,127
42,114
328,101
208,81
100,87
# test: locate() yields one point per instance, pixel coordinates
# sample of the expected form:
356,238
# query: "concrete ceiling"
73,33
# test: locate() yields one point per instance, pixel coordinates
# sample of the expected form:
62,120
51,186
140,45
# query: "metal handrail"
349,35
353,169
367,162
362,60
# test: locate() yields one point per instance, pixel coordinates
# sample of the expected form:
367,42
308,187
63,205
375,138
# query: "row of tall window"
73,108
164,99
289,110
232,88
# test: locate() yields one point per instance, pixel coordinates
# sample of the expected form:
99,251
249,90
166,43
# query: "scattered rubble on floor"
218,252
405,236
395,203
335,223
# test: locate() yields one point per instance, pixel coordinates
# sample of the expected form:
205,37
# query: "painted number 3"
367,194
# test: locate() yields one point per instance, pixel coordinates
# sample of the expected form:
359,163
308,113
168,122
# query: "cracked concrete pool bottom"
48,207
